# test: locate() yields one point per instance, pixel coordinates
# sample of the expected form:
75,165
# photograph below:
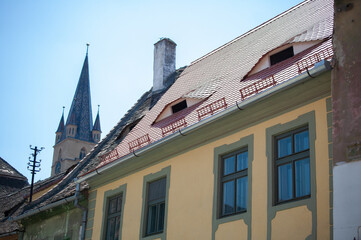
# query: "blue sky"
43,45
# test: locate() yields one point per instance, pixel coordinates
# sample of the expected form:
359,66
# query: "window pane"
228,198
119,203
302,172
242,194
242,161
152,214
112,205
110,228
161,217
285,182
157,189
301,141
117,226
229,165
284,146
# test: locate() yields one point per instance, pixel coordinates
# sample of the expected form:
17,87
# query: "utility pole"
34,167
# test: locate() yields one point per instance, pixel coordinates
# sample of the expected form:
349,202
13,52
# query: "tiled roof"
213,77
66,186
13,203
61,124
233,61
80,113
321,30
96,126
7,170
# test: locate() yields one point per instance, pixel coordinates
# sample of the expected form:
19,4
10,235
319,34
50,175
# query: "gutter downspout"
85,212
319,68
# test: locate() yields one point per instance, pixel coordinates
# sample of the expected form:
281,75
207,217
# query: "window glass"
113,205
152,214
234,183
302,177
285,182
113,217
228,198
229,165
293,165
157,189
301,141
161,216
242,161
242,194
156,206
284,146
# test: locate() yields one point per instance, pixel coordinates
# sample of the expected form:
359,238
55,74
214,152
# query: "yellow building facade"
192,166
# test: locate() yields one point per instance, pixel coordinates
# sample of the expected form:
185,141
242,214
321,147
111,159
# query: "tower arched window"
82,153
57,167
59,155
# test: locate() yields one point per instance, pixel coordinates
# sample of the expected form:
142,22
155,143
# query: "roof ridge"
250,31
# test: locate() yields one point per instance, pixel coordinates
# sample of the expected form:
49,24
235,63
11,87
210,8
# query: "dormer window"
282,55
179,106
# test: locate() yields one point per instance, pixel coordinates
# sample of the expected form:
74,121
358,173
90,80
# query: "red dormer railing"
257,87
211,108
139,142
111,155
310,61
174,126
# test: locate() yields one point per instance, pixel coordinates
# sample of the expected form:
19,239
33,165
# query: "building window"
114,212
57,167
292,165
179,106
155,206
282,55
234,181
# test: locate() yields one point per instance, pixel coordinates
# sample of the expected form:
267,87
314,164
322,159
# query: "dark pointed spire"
80,113
96,126
61,123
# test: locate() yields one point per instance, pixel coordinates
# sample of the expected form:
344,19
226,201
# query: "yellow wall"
190,202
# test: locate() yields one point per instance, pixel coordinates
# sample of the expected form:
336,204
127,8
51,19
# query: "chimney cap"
165,39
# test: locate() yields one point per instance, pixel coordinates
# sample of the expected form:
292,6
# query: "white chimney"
164,63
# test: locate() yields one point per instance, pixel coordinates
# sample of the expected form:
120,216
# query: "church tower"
75,138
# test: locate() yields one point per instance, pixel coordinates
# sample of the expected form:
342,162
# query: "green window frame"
292,165
156,191
234,183
155,204
220,153
113,207
113,218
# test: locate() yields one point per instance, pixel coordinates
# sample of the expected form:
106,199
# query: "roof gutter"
318,69
43,208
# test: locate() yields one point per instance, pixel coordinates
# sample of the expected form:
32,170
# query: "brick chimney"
164,63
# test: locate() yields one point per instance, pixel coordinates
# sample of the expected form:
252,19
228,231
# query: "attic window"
282,55
179,106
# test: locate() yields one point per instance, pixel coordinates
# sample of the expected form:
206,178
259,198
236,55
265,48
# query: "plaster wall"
347,199
62,226
190,201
